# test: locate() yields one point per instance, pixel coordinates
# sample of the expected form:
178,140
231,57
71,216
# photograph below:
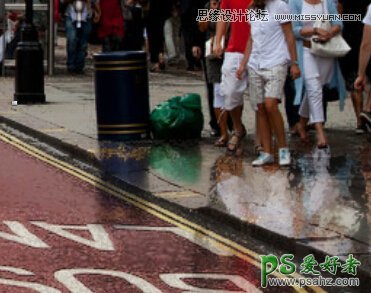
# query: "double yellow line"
165,215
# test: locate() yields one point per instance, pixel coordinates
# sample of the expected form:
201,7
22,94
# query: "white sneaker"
321,158
284,157
263,159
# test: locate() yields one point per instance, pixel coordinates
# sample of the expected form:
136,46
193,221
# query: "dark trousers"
155,31
292,111
77,44
210,98
188,37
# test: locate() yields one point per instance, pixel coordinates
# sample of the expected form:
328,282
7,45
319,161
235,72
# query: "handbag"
333,48
209,47
330,94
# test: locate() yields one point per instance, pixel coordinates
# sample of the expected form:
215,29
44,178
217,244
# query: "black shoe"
79,71
215,132
190,68
361,129
366,117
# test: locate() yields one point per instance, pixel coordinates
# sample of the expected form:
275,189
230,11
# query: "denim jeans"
77,44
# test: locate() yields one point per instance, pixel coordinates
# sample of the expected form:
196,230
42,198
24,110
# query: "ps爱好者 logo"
286,267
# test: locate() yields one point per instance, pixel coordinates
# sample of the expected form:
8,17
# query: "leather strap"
307,44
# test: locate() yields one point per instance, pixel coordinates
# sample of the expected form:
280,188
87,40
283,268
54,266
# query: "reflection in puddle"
175,163
328,197
318,195
119,158
322,190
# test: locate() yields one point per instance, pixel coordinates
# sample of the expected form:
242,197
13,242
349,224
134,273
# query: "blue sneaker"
263,159
284,157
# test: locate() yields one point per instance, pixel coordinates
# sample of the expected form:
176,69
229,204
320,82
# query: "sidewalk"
319,204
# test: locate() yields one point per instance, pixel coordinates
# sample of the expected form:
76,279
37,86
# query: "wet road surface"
61,232
321,200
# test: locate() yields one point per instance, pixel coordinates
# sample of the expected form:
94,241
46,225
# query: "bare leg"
222,117
368,103
357,105
258,142
276,121
300,126
236,115
264,129
321,137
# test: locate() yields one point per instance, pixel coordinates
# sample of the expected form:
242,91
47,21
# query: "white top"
310,9
269,44
86,12
367,19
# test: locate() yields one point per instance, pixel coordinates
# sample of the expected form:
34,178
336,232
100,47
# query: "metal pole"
51,38
29,11
29,68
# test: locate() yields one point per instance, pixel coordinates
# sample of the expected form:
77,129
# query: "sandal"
235,141
158,67
161,61
322,146
258,149
294,131
221,142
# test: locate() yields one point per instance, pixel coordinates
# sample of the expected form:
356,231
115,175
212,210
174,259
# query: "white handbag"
209,47
333,48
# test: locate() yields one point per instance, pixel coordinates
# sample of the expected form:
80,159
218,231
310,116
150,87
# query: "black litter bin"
121,95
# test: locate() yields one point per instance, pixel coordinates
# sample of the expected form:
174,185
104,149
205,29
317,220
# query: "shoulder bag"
335,47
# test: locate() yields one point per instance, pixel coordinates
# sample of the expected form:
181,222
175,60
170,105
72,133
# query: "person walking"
364,75
352,33
133,39
270,49
111,25
317,71
79,17
159,11
172,35
193,38
213,73
231,87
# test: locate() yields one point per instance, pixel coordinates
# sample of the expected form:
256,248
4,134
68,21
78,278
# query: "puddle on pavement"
320,195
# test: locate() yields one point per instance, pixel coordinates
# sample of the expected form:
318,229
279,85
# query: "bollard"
29,70
122,95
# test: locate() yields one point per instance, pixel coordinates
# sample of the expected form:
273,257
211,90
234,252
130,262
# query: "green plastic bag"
178,118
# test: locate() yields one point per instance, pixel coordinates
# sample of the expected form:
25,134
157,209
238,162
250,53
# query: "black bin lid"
120,55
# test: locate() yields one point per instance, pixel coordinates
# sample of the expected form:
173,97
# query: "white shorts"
266,83
231,87
218,97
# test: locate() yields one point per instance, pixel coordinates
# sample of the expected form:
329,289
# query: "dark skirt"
214,69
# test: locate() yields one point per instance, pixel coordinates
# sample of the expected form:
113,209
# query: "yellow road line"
121,131
199,231
177,194
7,113
53,130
